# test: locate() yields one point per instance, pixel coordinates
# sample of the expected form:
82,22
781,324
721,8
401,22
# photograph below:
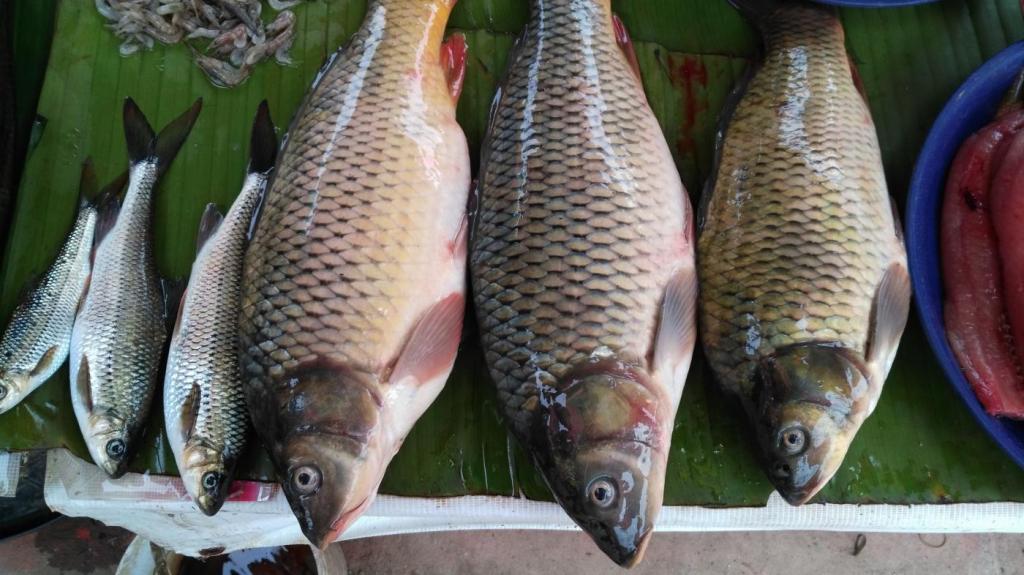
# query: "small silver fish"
36,341
120,332
204,406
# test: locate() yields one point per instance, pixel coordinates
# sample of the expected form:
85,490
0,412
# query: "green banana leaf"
920,446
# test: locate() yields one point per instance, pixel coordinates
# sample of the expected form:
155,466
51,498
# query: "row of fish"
336,306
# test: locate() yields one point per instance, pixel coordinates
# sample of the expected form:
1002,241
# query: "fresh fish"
204,407
120,332
36,342
803,273
583,272
353,293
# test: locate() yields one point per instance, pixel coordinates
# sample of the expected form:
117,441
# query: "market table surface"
920,446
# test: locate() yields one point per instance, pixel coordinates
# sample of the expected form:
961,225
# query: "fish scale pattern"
580,217
799,230
347,240
120,333
43,320
204,349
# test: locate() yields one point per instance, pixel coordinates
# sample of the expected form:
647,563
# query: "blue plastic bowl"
971,107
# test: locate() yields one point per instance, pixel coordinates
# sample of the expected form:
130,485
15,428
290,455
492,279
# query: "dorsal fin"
174,294
108,206
208,225
87,185
453,60
626,45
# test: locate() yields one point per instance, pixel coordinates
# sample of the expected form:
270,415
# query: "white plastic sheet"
10,472
257,514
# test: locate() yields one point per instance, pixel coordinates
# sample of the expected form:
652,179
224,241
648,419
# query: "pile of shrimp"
236,36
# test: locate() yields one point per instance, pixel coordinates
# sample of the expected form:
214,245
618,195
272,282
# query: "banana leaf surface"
920,446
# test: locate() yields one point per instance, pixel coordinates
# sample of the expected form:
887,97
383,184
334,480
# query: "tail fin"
144,145
137,133
263,142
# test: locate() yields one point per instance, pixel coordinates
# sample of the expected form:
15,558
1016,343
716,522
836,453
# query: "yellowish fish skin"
583,272
355,276
804,290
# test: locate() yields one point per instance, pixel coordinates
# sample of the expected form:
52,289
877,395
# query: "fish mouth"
209,505
796,498
114,469
322,537
626,556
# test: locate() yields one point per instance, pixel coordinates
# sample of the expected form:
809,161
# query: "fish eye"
115,449
306,479
211,480
602,492
793,440
3,392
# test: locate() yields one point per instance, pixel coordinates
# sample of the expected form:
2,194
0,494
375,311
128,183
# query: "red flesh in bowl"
975,309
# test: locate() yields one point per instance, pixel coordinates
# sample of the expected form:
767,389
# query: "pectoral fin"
46,362
82,388
889,312
189,413
677,330
431,348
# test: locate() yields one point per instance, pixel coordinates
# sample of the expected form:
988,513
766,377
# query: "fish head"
603,455
13,387
809,407
325,486
324,450
206,474
109,441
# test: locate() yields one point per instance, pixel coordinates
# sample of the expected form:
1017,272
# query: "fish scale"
804,284
119,333
127,314
204,403
582,269
359,247
345,209
43,320
799,228
576,220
